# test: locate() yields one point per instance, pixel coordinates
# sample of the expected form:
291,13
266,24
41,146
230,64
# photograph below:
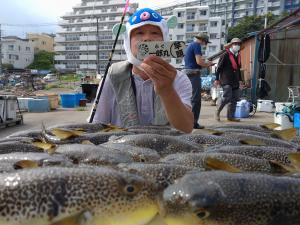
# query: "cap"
203,37
235,40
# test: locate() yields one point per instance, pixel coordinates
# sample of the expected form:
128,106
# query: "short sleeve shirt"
191,51
107,110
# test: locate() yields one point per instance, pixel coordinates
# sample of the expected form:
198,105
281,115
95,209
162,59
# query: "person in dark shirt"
194,62
228,75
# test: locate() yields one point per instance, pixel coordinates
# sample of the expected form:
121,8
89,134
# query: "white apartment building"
17,52
234,10
76,41
195,20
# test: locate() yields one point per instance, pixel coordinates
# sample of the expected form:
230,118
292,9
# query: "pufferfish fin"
172,22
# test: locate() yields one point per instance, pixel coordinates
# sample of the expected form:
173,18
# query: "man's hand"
160,72
242,85
217,83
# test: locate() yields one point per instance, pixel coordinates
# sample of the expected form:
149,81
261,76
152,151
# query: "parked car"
50,77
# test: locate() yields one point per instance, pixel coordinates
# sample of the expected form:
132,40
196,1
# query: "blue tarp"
207,81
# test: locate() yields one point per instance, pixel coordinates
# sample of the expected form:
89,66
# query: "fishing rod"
108,64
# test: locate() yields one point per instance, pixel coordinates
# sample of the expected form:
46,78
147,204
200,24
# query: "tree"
7,66
43,61
250,24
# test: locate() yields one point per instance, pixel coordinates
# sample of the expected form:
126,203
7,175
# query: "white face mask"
235,48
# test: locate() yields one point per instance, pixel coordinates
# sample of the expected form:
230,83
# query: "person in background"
148,92
194,62
228,75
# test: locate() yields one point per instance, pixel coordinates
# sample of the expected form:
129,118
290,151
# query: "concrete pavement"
35,120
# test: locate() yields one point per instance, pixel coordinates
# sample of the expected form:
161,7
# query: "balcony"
59,57
88,48
88,66
88,57
88,38
59,39
59,48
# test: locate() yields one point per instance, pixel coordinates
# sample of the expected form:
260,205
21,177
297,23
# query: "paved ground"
35,120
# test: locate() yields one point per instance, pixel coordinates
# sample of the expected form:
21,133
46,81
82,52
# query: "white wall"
19,53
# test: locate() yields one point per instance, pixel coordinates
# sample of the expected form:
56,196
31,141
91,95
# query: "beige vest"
119,74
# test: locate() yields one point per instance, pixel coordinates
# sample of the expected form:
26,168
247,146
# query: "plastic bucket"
242,109
68,100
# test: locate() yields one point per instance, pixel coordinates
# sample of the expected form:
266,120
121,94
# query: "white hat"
140,18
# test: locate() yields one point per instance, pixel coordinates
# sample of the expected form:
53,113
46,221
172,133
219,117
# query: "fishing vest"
120,76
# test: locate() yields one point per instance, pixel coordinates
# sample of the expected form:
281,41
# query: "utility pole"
226,32
98,43
0,51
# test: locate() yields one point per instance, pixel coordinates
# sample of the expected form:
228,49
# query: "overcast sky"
46,13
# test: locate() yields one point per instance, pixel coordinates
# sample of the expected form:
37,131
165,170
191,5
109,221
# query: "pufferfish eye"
202,214
130,189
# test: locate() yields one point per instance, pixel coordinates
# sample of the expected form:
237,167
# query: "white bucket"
265,106
283,120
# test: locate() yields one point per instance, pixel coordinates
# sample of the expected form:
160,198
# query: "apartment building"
234,10
76,43
193,20
41,42
17,52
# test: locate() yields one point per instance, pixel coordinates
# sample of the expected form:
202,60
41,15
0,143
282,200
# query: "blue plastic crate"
68,100
38,105
297,120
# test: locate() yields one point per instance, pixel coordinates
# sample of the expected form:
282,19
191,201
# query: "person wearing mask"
228,75
148,92
194,62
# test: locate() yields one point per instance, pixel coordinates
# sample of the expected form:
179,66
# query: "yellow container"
53,100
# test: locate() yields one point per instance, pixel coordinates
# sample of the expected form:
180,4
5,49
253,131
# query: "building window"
190,27
213,35
19,48
203,12
212,48
180,14
180,25
10,47
190,16
202,28
179,37
43,43
27,48
214,23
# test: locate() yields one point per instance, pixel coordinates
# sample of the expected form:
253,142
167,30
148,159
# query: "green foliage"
69,77
7,66
251,24
43,61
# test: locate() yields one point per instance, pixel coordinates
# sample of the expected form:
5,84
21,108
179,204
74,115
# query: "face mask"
235,48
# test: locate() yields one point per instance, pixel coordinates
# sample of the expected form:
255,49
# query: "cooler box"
265,106
11,107
279,106
23,103
283,120
68,100
2,109
242,109
38,105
